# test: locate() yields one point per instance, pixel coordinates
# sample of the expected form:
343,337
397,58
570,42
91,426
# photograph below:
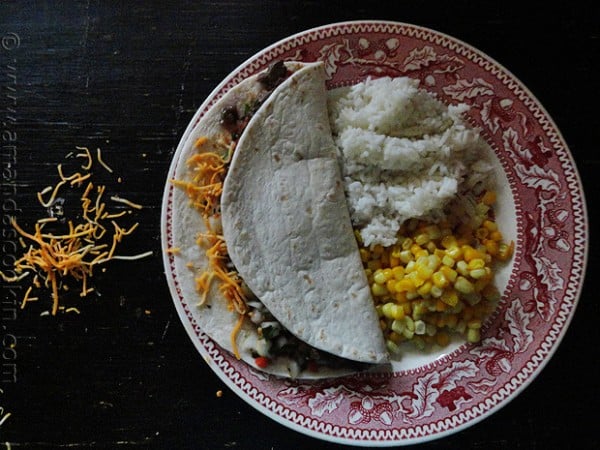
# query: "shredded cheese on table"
116,198
102,163
74,249
87,155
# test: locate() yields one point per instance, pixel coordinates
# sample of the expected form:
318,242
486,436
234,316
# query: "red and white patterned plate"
541,207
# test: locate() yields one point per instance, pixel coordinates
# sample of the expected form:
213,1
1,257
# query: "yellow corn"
496,236
378,290
449,273
364,254
477,273
440,280
482,233
404,285
450,297
421,253
424,271
418,280
392,311
462,267
473,335
489,198
436,277
491,247
505,251
490,225
392,347
433,231
447,261
469,253
463,285
440,305
476,263
406,243
400,296
406,256
425,289
391,285
449,241
436,291
421,239
398,272
475,323
454,252
379,277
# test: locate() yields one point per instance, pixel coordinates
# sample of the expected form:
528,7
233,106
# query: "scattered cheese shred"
47,220
46,204
87,155
116,198
14,278
4,419
27,298
131,257
65,255
102,163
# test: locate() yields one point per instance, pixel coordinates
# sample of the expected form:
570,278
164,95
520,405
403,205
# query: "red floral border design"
472,382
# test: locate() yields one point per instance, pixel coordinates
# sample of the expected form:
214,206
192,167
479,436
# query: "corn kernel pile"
437,279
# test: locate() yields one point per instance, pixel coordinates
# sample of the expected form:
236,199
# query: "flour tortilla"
287,225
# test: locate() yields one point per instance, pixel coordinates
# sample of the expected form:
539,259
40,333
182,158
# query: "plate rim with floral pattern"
542,291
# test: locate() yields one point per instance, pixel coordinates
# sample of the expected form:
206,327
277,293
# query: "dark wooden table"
127,77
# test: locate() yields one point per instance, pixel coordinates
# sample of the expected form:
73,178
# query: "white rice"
405,155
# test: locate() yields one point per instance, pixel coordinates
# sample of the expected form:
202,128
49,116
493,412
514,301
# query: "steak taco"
268,241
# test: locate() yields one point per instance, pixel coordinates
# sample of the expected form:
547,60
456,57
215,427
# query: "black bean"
275,75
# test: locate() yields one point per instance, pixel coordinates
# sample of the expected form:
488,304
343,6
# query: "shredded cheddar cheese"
102,163
209,168
50,201
87,155
2,420
71,251
116,198
27,298
14,278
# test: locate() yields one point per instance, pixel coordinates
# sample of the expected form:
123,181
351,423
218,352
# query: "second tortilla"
287,226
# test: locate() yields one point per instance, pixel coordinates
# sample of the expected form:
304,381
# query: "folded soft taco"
278,269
